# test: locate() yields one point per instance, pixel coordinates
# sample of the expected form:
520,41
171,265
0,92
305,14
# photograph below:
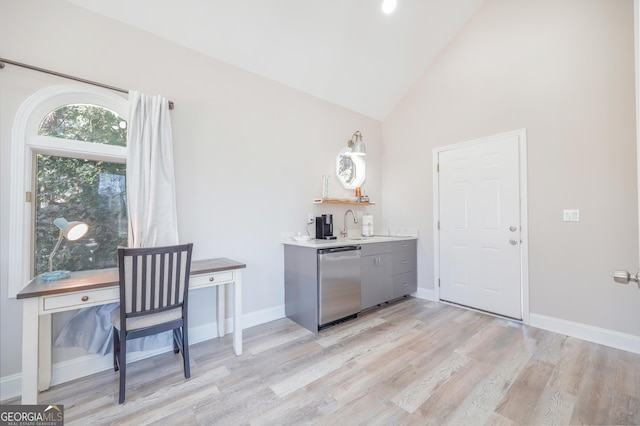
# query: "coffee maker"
324,227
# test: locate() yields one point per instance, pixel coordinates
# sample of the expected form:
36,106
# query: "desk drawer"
206,280
80,299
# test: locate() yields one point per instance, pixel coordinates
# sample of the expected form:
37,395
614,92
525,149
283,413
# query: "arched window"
75,188
68,160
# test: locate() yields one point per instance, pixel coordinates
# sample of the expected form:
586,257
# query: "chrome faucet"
344,232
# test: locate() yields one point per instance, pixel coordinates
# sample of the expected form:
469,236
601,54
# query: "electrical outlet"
310,218
571,215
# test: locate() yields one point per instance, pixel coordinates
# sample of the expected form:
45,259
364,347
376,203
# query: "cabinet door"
385,267
376,281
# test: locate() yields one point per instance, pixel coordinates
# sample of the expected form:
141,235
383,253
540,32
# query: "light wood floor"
410,362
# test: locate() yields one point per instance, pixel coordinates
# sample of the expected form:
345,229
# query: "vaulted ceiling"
343,51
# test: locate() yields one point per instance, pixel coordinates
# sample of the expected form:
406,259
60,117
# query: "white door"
479,190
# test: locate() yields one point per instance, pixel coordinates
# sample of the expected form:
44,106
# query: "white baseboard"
11,386
259,317
426,294
614,339
210,331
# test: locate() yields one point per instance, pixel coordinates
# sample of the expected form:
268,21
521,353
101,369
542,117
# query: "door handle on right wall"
513,242
623,277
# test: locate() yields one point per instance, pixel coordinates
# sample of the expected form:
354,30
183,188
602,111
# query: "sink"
360,238
377,238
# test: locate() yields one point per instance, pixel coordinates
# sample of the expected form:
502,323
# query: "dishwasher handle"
338,249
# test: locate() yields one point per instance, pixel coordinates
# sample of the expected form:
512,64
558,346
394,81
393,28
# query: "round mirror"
350,169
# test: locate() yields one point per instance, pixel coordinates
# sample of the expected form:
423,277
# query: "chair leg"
185,352
116,349
176,347
122,361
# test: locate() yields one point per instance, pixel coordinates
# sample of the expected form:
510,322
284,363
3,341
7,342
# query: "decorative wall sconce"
72,231
350,163
356,145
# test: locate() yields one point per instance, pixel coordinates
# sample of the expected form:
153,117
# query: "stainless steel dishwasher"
338,283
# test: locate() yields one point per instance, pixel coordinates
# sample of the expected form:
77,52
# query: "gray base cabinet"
404,284
388,271
301,286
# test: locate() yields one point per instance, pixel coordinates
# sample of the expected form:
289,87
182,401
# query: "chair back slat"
161,290
153,279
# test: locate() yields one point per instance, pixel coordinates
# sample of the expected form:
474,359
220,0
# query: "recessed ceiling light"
388,6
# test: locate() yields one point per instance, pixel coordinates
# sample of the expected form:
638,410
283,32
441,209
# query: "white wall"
249,153
564,70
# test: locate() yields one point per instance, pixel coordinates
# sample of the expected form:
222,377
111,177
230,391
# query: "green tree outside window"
78,189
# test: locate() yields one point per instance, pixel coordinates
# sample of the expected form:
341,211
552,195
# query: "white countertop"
342,241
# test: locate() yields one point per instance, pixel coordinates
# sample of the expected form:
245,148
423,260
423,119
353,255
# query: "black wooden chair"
154,289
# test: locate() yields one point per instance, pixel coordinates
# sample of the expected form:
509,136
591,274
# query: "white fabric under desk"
92,329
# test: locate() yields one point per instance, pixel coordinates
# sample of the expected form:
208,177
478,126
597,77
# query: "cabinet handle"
211,279
405,262
85,298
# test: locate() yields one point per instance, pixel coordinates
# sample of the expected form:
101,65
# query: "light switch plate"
571,215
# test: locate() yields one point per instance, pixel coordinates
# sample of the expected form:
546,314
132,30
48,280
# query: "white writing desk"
99,287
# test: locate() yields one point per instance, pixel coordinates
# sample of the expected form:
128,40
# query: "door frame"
636,42
524,233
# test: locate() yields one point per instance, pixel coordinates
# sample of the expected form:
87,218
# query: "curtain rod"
70,77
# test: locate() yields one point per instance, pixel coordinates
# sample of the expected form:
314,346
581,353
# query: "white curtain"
151,196
152,216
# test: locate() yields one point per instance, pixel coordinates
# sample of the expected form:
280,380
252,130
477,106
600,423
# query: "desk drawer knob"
211,279
85,298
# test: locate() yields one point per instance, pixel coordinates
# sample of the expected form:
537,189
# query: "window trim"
26,144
